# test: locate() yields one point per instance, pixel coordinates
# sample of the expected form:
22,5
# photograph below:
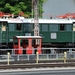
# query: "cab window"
18,27
62,27
3,26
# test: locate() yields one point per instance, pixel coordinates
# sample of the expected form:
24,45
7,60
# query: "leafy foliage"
16,6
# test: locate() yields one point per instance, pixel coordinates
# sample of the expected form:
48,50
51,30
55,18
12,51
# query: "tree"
16,6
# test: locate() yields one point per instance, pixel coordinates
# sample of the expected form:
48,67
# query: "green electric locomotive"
54,32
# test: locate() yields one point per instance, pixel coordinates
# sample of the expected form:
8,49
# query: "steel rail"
24,66
34,61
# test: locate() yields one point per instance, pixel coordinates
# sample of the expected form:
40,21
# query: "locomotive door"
3,32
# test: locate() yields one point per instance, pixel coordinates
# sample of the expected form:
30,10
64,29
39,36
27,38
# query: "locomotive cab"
3,34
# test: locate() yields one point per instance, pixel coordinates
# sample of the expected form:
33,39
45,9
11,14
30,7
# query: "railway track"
32,64
24,66
34,61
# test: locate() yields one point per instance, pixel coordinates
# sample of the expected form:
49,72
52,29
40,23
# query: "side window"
53,27
27,27
32,27
62,27
68,27
11,27
44,27
18,26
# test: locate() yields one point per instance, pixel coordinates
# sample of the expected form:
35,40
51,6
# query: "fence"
33,57
47,54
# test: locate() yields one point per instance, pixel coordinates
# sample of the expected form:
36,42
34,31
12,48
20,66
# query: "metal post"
36,57
70,51
52,51
17,57
35,4
8,58
64,57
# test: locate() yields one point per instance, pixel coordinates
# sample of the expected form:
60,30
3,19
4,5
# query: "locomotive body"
54,32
